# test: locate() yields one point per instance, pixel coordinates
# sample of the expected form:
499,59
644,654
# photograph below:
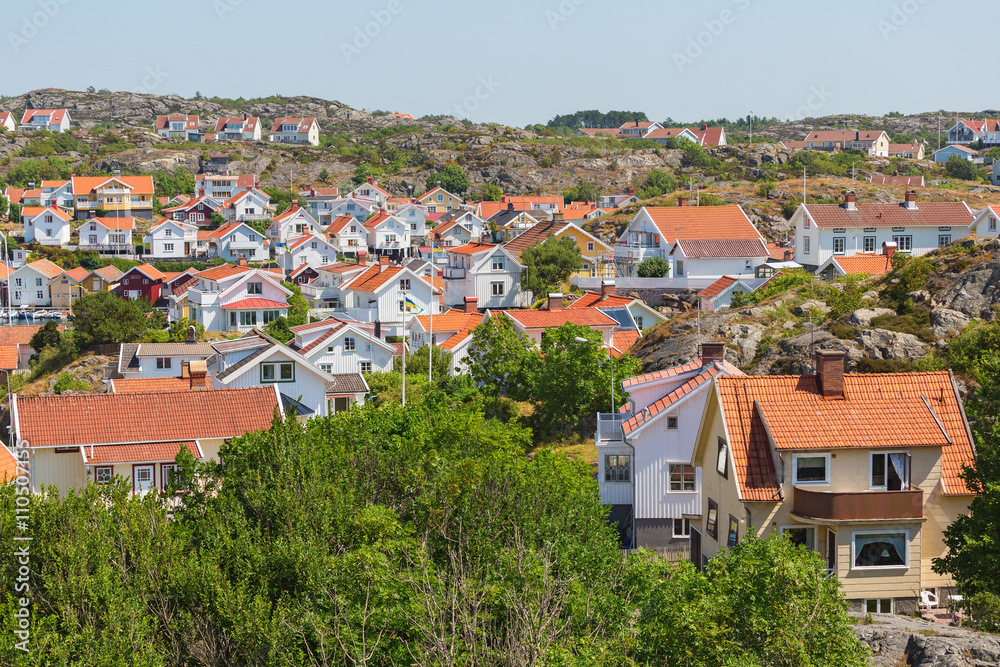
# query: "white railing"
643,283
453,273
609,426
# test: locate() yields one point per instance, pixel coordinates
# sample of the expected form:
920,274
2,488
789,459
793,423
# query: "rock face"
679,343
948,322
863,316
974,292
897,640
883,344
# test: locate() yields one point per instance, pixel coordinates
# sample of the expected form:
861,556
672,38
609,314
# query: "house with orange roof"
248,205
875,143
637,129
223,186
388,294
665,135
179,126
58,194
53,120
172,239
643,316
295,131
325,290
908,151
46,225
595,254
861,264
235,298
104,279
141,282
645,448
293,221
339,346
75,440
15,344
486,272
348,235
197,210
864,469
714,240
118,195
372,192
719,295
387,236
236,241
823,231
67,287
7,121
30,284
306,250
236,128
107,234
439,200
450,331
532,323
456,227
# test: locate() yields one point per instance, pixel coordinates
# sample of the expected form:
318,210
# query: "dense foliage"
549,264
653,267
595,118
391,536
451,177
104,317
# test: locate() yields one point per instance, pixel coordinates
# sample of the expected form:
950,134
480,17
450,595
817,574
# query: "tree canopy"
595,118
452,179
550,263
582,191
103,317
653,267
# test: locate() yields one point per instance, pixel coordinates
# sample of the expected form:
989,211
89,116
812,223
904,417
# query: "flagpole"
430,348
404,350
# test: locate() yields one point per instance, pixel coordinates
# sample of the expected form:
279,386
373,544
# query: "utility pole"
803,184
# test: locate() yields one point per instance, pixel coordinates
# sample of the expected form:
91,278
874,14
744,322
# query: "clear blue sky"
518,61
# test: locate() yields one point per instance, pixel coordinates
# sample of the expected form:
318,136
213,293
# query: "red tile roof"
145,452
83,419
544,319
9,466
254,303
453,320
339,223
677,394
304,124
9,357
45,267
148,270
163,122
692,365
372,279
115,223
702,222
56,115
150,385
471,248
77,274
32,211
927,214
624,339
712,248
914,181
249,124
861,263
21,334
595,300
887,410
717,288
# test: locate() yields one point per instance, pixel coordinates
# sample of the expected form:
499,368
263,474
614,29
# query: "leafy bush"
956,167
67,382
912,273
843,331
653,267
917,323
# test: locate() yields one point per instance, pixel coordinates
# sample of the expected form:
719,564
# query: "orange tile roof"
623,340
339,223
21,334
32,211
255,303
471,248
718,287
877,214
115,223
458,338
138,453
860,263
9,467
594,300
372,279
544,319
677,394
453,320
9,356
150,385
45,267
692,365
148,270
77,274
886,410
222,271
376,220
83,419
702,222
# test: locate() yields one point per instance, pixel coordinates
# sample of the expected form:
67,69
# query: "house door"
142,480
831,552
696,548
187,248
341,403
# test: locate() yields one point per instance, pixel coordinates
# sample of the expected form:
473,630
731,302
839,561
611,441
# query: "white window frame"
368,364
839,241
350,344
886,452
497,264
795,468
497,289
898,239
943,240
906,552
892,605
670,474
685,528
98,473
805,245
798,526
865,244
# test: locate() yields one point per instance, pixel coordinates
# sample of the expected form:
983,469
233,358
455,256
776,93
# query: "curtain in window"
898,462
880,550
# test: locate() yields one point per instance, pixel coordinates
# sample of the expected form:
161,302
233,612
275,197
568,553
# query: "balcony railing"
858,505
609,426
113,191
453,273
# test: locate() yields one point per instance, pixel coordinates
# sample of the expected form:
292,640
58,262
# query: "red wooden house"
143,281
303,274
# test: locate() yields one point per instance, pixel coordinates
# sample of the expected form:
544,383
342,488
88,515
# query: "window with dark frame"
712,522
617,468
671,423
682,528
722,460
734,532
103,474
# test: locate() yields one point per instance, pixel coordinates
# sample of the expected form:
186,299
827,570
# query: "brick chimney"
243,260
201,192
910,200
185,369
192,335
362,257
371,180
830,373
631,191
383,263
682,201
607,288
555,302
471,304
788,256
558,216
888,248
198,374
712,352
850,201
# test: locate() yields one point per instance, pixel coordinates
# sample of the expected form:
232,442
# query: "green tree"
658,182
3,206
47,336
278,330
550,263
324,175
653,267
491,192
956,167
502,360
103,317
178,331
452,179
582,191
298,306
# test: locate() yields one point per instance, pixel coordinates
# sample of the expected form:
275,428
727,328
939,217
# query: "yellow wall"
62,289
589,256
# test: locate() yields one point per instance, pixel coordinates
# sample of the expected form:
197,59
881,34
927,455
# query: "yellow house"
439,200
862,468
596,254
101,280
120,196
66,287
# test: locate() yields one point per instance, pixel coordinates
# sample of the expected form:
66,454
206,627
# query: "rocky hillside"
777,335
897,640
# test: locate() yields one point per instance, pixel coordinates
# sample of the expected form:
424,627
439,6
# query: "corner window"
103,474
681,477
890,471
811,468
277,371
722,459
712,523
617,468
880,549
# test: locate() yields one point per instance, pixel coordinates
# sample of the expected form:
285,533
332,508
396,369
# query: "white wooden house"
372,192
338,346
308,249
53,120
489,273
348,235
28,285
387,236
172,239
295,131
236,298
46,226
107,234
293,221
237,240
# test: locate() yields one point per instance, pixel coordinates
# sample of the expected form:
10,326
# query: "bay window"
877,549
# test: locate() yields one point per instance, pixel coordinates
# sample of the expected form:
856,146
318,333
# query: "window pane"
616,468
878,469
810,469
803,536
880,550
268,371
286,371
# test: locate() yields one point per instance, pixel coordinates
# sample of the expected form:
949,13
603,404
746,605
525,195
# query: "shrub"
916,323
843,331
653,267
67,382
